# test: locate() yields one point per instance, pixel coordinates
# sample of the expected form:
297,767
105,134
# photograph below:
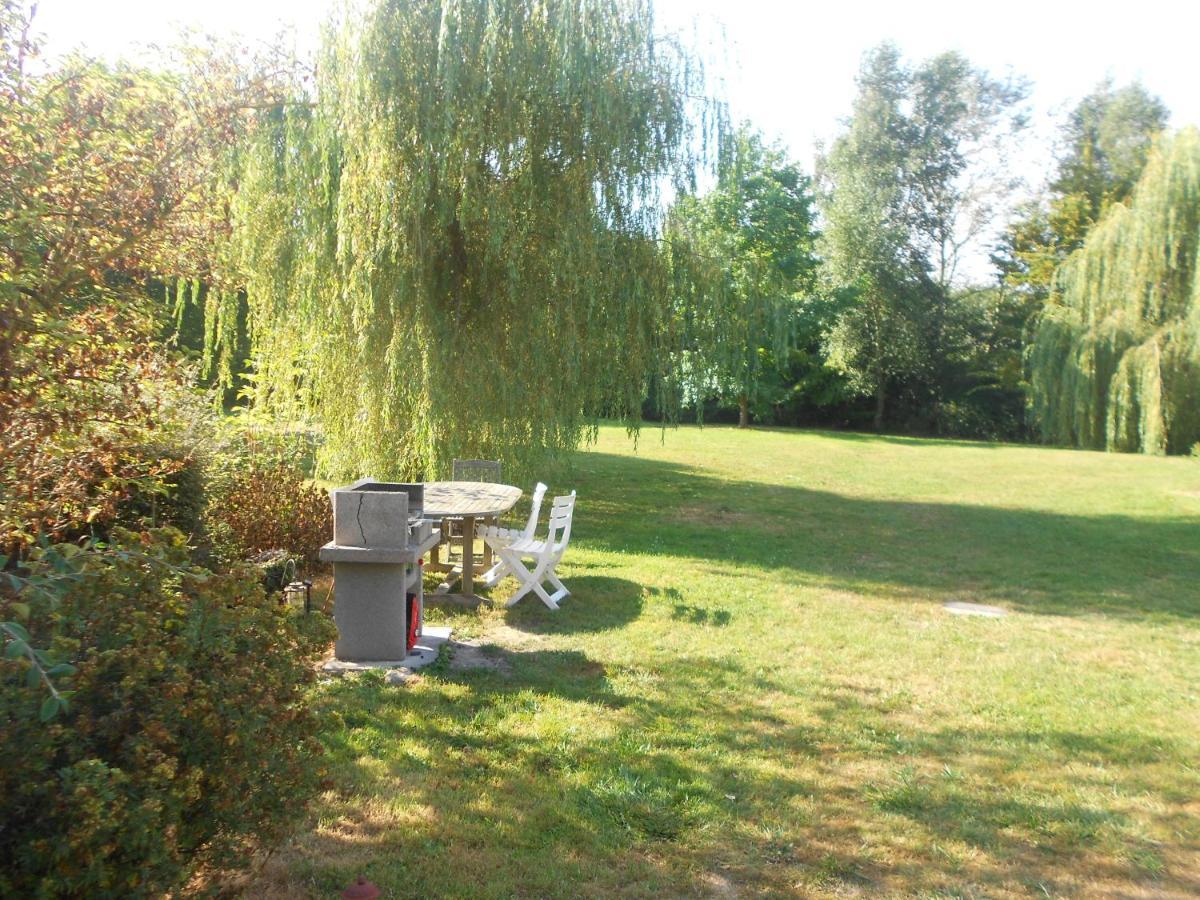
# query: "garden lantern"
296,590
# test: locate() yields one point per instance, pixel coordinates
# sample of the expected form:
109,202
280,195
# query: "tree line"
474,228
1081,334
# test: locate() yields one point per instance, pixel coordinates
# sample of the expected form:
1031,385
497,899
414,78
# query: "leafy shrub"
186,741
177,500
268,505
985,414
83,428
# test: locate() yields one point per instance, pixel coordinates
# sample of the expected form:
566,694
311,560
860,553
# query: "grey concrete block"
369,611
366,518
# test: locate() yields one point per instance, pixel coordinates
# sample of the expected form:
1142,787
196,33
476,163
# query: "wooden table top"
456,499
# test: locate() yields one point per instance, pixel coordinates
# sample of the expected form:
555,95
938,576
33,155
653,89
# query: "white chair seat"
526,546
495,534
535,548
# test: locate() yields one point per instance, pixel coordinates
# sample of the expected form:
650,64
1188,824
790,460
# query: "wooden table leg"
468,557
487,548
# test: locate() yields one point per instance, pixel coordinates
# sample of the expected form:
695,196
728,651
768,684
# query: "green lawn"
754,689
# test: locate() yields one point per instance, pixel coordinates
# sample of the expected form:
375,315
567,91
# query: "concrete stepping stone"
963,608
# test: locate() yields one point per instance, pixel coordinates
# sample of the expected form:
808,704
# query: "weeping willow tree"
449,243
1115,360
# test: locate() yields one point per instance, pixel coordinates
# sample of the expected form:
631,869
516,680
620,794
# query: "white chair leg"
512,561
550,601
532,581
517,568
536,577
493,576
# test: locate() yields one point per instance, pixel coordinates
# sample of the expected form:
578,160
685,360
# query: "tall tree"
1115,359
448,247
1105,141
907,189
865,241
755,229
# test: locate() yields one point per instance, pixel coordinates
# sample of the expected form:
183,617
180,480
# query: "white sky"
789,67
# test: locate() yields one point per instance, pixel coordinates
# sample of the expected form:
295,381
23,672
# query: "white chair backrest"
562,510
531,526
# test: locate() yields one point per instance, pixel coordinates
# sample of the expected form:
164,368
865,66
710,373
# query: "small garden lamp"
296,590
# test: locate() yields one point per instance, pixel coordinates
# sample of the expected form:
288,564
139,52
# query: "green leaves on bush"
187,739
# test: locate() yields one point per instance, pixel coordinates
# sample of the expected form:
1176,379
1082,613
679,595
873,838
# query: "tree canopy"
913,181
449,245
752,237
1105,140
1115,360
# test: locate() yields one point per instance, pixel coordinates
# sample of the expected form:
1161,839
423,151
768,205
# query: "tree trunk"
880,398
743,411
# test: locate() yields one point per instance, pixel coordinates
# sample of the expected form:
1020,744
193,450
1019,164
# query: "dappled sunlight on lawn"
769,698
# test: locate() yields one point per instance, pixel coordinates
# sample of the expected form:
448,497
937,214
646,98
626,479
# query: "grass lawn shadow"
1027,559
743,697
597,603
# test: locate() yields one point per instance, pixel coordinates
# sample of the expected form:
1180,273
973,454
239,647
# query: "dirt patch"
466,656
717,885
512,638
724,517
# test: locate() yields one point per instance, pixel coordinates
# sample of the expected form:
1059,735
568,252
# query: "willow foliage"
451,249
1115,360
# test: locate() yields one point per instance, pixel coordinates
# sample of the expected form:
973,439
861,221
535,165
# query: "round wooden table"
467,501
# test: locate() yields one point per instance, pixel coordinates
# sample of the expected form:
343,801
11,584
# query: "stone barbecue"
378,541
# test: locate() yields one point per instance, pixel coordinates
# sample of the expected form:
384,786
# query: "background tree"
755,228
448,249
912,184
865,240
1115,359
1105,141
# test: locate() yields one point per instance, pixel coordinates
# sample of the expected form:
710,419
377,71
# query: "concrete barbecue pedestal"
376,555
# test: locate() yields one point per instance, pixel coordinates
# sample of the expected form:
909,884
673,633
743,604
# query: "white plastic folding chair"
496,537
544,555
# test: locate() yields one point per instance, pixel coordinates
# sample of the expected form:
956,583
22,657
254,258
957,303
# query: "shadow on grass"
557,773
597,603
701,615
520,800
866,437
1027,559
869,437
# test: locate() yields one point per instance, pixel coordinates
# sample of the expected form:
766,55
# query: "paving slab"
962,608
426,651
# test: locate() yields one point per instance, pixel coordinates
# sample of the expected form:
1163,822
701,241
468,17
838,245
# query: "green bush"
186,740
177,501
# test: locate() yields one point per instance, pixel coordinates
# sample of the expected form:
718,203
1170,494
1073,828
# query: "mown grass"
754,689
